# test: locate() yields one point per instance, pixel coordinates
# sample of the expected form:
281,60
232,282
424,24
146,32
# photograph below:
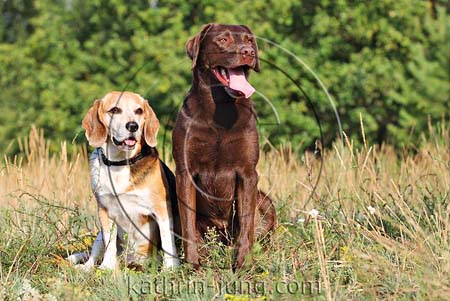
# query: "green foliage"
387,60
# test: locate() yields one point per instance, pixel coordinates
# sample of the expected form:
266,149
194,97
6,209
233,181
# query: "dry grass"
382,229
35,172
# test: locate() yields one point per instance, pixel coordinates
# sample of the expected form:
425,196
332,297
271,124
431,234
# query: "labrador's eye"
115,110
250,40
139,111
222,40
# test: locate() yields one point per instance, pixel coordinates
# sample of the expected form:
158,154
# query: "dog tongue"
130,142
239,83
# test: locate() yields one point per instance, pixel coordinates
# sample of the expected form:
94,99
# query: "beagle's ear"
193,45
96,132
151,125
255,46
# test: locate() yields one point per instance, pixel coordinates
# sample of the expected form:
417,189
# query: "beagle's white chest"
113,189
108,179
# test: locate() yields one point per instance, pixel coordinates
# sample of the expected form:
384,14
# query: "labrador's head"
229,51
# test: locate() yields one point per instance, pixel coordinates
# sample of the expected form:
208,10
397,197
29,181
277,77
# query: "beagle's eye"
250,40
139,111
115,110
222,40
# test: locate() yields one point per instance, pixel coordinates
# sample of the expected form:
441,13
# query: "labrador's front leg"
246,205
187,205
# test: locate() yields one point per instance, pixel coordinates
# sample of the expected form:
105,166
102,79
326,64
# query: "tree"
386,60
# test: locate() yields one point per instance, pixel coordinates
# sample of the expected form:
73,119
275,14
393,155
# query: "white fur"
111,187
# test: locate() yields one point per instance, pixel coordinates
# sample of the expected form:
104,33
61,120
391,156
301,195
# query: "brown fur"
151,126
143,169
110,116
215,147
103,217
143,219
95,127
145,250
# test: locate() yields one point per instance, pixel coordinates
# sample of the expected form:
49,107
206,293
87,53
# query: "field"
380,228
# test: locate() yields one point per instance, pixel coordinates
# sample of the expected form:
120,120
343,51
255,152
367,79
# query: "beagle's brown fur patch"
145,250
144,169
143,219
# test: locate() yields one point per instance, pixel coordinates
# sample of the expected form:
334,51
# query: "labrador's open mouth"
127,143
235,79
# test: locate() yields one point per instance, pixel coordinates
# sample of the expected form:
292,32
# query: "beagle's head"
122,119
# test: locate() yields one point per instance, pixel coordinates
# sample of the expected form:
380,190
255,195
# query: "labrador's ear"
193,45
255,46
96,132
151,125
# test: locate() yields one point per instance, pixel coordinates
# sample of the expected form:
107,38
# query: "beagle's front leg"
165,223
98,250
109,233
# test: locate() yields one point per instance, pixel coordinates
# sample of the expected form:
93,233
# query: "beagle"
134,190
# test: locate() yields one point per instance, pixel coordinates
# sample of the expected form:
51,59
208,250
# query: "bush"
385,59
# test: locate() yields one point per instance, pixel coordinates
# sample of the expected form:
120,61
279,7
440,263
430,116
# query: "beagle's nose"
132,126
246,50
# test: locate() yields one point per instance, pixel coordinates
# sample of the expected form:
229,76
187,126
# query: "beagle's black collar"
145,152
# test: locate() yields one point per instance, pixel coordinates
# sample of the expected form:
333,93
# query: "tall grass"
36,172
382,229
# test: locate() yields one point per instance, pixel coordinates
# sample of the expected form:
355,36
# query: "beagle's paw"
78,258
86,268
108,264
171,263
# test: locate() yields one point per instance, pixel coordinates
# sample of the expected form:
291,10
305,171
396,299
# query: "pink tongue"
130,142
238,82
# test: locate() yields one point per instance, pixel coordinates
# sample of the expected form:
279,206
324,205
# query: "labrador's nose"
246,50
132,126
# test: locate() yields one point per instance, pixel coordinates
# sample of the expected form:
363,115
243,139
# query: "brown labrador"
215,144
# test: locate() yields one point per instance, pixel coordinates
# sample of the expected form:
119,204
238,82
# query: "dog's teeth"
224,73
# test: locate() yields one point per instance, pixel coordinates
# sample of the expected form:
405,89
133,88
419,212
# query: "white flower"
28,292
371,209
50,297
314,213
301,220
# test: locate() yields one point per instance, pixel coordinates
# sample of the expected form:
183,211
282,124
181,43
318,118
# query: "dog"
215,144
134,190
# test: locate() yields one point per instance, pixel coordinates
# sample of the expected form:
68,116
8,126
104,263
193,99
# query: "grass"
382,229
